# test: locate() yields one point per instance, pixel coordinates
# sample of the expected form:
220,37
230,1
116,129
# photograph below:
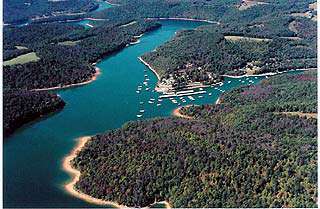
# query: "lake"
33,176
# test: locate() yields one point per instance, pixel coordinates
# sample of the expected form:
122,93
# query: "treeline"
237,154
20,107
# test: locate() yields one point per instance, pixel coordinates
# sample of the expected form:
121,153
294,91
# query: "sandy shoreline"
95,76
149,66
264,74
176,112
75,174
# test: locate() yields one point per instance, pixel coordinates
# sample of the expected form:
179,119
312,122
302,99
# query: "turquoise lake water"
102,5
33,176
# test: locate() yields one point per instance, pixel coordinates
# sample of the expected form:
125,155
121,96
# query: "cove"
33,176
102,6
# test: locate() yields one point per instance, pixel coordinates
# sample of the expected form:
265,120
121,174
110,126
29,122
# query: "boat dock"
182,94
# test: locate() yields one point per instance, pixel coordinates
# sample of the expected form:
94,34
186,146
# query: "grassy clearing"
69,43
244,38
246,4
22,59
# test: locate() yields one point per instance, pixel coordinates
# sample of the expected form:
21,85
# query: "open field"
246,4
69,43
243,38
22,59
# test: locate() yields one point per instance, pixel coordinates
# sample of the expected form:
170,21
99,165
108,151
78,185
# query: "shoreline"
176,112
112,4
218,101
265,74
152,69
95,76
75,175
183,18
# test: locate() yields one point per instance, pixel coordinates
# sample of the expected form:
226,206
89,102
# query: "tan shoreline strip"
95,76
149,66
176,112
75,174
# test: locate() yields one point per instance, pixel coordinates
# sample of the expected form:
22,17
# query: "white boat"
160,100
215,88
141,110
147,89
145,83
141,102
210,94
147,79
158,104
229,81
200,89
139,116
255,77
191,98
174,101
184,101
138,92
152,99
220,84
200,96
150,102
242,81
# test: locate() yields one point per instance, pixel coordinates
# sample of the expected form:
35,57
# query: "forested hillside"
196,53
16,11
20,107
242,153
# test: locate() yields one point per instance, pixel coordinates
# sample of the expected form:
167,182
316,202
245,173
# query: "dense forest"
20,107
241,153
20,11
